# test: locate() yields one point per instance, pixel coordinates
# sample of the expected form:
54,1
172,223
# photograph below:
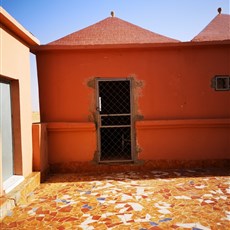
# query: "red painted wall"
40,150
184,139
176,85
176,81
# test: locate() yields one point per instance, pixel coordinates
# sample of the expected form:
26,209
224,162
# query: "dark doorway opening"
115,137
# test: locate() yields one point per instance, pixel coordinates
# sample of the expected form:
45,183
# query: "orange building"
16,151
117,93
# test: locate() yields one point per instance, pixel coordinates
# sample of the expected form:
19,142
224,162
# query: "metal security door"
114,120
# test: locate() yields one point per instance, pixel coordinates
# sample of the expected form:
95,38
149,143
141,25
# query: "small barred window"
222,83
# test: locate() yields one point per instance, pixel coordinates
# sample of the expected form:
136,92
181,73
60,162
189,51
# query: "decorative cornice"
191,123
53,48
71,127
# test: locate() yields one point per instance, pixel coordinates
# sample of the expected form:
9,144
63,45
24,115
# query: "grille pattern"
115,120
115,97
115,144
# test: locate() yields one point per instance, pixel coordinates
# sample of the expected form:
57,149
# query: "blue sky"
49,20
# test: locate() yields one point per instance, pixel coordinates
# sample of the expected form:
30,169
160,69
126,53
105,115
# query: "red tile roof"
217,30
112,30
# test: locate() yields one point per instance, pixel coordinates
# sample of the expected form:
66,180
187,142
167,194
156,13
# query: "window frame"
217,77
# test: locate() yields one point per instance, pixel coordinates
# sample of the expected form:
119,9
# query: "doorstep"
20,194
11,183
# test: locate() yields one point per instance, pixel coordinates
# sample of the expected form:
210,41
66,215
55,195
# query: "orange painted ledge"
71,126
191,123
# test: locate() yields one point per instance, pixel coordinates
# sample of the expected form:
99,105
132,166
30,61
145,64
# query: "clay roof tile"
217,30
112,30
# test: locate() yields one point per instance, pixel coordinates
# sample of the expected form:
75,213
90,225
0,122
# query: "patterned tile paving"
176,199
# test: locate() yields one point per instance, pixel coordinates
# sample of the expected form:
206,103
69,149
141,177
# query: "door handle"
99,104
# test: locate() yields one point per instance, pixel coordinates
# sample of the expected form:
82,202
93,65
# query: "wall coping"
191,123
190,44
141,125
9,22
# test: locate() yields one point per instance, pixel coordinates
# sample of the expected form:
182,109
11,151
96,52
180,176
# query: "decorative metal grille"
115,120
115,125
115,97
115,144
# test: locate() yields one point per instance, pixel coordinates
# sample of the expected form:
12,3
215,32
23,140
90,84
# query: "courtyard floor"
175,199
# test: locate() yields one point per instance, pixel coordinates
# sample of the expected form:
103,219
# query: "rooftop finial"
112,14
219,10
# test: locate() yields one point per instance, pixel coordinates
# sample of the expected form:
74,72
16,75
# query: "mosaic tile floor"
176,199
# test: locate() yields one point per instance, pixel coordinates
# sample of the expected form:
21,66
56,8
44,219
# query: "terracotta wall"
184,139
174,85
177,82
40,149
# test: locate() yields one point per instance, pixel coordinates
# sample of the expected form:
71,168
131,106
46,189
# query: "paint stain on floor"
176,199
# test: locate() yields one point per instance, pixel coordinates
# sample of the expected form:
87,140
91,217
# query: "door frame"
132,126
